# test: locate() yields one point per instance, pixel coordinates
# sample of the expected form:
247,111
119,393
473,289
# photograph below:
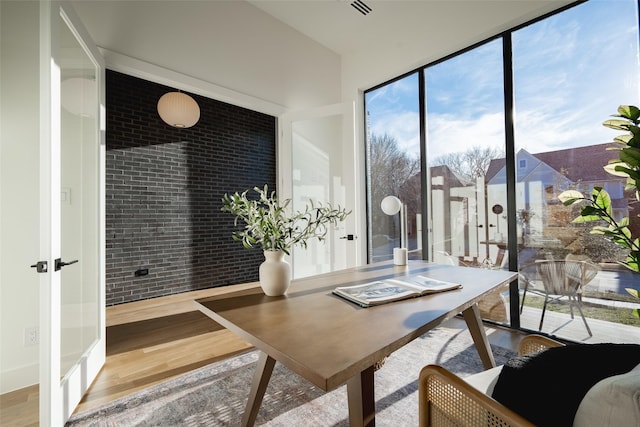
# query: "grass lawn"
623,316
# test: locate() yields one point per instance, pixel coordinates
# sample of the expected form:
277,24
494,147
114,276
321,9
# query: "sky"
571,71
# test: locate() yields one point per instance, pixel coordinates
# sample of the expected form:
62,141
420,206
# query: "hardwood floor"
151,341
19,408
147,342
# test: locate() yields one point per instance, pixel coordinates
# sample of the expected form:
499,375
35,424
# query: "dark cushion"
547,387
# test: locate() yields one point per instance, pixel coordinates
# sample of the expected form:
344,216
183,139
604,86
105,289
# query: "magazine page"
408,283
428,285
378,292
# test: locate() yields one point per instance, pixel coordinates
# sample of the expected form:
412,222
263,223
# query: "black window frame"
510,155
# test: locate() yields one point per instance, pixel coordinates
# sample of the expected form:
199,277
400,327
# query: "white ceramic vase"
275,274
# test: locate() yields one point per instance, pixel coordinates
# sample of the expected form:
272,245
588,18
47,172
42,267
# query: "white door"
72,324
317,161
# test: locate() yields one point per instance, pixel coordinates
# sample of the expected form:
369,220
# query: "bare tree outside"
392,172
470,164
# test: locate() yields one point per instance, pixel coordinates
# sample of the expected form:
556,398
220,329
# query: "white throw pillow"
612,402
485,381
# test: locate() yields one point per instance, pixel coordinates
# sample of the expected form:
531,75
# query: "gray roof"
577,164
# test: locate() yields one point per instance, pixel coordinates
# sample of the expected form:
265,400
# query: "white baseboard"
21,377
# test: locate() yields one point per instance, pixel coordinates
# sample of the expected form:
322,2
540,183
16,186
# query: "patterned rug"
215,395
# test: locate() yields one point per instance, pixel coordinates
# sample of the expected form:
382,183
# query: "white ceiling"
339,26
241,45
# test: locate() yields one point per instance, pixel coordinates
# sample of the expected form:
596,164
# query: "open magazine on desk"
389,290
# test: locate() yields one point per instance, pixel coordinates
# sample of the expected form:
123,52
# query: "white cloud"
404,127
571,73
451,134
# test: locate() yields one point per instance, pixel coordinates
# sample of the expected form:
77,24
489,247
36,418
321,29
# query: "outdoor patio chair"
493,306
448,400
560,278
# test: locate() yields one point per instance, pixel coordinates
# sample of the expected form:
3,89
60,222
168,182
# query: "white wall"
19,188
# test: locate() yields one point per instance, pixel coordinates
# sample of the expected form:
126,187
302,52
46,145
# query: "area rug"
215,395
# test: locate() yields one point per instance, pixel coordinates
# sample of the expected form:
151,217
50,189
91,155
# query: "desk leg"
360,393
260,381
474,323
499,257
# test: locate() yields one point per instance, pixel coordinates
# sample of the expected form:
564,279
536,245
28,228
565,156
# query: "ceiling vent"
361,7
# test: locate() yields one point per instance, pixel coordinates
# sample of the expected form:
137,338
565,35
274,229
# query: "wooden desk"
330,341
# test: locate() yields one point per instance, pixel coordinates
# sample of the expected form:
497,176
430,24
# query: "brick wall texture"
164,187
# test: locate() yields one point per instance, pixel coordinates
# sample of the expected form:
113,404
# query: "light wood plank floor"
153,340
147,342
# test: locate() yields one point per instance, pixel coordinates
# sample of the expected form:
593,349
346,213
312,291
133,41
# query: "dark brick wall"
164,187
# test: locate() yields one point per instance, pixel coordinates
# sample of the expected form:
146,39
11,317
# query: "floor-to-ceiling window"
508,125
465,141
571,71
393,167
465,133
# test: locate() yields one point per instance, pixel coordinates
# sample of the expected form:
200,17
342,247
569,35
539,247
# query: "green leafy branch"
270,225
598,206
628,145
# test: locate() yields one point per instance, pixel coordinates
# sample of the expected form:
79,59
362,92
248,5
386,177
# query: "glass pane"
465,152
317,176
79,199
571,72
393,168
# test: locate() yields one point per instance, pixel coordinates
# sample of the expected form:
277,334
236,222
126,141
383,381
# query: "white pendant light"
178,109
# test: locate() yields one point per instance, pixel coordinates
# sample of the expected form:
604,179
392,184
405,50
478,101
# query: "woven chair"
493,306
447,400
560,278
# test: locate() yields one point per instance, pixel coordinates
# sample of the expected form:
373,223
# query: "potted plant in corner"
598,206
274,227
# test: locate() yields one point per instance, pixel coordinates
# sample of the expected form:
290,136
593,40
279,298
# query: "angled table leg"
360,394
472,317
258,387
